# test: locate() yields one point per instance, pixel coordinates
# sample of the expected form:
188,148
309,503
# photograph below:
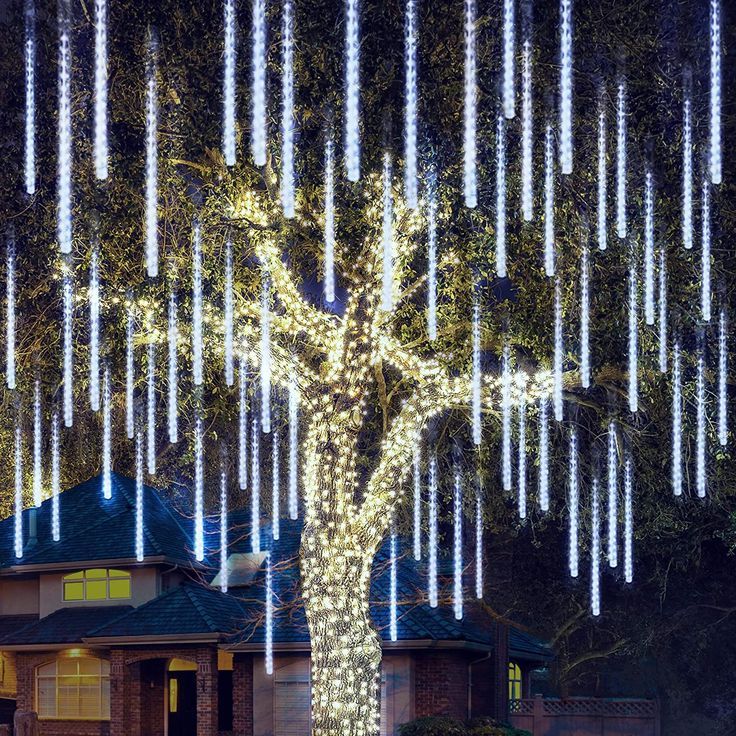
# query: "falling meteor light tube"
628,521
662,309
152,164
602,176
544,453
30,121
432,541
509,41
55,477
352,92
549,203
329,232
198,488
566,86
470,182
68,298
595,552
478,544
527,114
612,496
275,486
94,332
722,379
197,368
18,525
64,214
417,477
265,357
172,339
228,322
229,89
287,112
715,91
100,142
558,356
138,496
223,532
268,656
387,237
476,378
522,454
705,298
501,198
293,448
255,483
258,134
621,223
129,374
700,438
37,479
687,173
585,319
393,633
633,341
10,313
151,409
106,435
410,106
649,249
573,505
506,419
676,421
457,539
243,424
432,256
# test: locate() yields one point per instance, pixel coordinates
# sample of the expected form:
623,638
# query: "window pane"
88,666
68,701
96,573
96,590
105,712
67,666
89,700
74,575
119,574
173,694
46,697
46,670
120,589
74,591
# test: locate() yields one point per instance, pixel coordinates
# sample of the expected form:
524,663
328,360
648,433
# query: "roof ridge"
202,612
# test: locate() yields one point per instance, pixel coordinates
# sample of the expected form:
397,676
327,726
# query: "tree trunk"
346,650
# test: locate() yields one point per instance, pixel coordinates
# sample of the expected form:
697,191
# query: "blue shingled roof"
94,528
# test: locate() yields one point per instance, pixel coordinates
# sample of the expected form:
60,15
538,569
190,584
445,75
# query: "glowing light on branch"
55,477
527,114
478,544
198,487
432,541
687,174
64,214
705,298
275,486
410,105
621,223
509,41
649,250
470,180
18,526
573,503
287,112
151,409
37,479
501,198
258,134
585,319
544,453
676,421
293,448
457,540
722,379
129,375
255,482
197,339
549,203
633,340
265,357
223,531
417,477
329,232
138,496
268,655
106,435
715,91
10,314
152,165
476,377
94,333
229,89
243,424
172,339
612,496
595,551
506,419
101,89
566,86
602,177
700,438
352,92
68,299
558,356
662,309
387,236
30,122
432,256
522,453
392,594
628,521
228,322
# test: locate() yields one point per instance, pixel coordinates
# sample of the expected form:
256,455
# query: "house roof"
96,531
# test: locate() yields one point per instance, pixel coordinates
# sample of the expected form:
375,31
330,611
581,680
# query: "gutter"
470,680
303,646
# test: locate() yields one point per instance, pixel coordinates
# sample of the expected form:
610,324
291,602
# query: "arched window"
97,584
74,688
514,681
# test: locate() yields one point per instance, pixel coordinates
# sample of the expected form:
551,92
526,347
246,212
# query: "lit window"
74,688
97,584
514,681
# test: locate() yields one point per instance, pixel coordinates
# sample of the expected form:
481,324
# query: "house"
98,643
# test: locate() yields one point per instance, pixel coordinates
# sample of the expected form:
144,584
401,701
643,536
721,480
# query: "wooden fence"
585,716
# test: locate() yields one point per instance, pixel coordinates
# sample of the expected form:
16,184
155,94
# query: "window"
74,688
98,584
291,705
514,681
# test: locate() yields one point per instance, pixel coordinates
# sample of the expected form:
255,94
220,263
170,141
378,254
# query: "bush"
444,726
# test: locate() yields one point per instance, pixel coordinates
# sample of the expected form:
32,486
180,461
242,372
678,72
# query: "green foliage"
446,726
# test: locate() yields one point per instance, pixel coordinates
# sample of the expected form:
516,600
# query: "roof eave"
154,639
74,564
303,646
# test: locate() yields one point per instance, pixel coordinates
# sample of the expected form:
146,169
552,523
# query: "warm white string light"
509,43
558,356
197,328
628,520
621,223
151,409
68,298
55,477
173,339
687,173
243,424
602,176
30,120
64,214
470,177
101,89
198,488
387,236
566,86
715,91
432,255
352,91
662,309
255,485
94,332
139,496
544,453
612,496
10,313
37,478
223,532
329,232
410,106
287,111
649,249
527,115
506,418
268,654
633,340
700,436
229,88
722,379
417,478
522,453
266,356
573,502
595,551
293,447
258,133
705,297
228,322
501,197
549,203
676,421
393,633
152,164
18,465
275,486
129,373
476,377
106,435
585,319
432,540
457,540
478,543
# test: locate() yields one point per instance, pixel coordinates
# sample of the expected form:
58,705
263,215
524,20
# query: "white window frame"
102,678
125,575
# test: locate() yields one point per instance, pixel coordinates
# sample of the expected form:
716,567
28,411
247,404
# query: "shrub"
434,726
492,727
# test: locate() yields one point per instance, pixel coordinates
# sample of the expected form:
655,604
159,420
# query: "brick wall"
441,684
243,695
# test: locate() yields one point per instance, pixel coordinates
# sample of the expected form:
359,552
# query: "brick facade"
243,695
441,684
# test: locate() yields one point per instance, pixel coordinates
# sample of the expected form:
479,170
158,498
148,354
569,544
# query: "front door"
183,703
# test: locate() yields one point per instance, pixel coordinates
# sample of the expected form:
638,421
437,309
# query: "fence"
585,716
